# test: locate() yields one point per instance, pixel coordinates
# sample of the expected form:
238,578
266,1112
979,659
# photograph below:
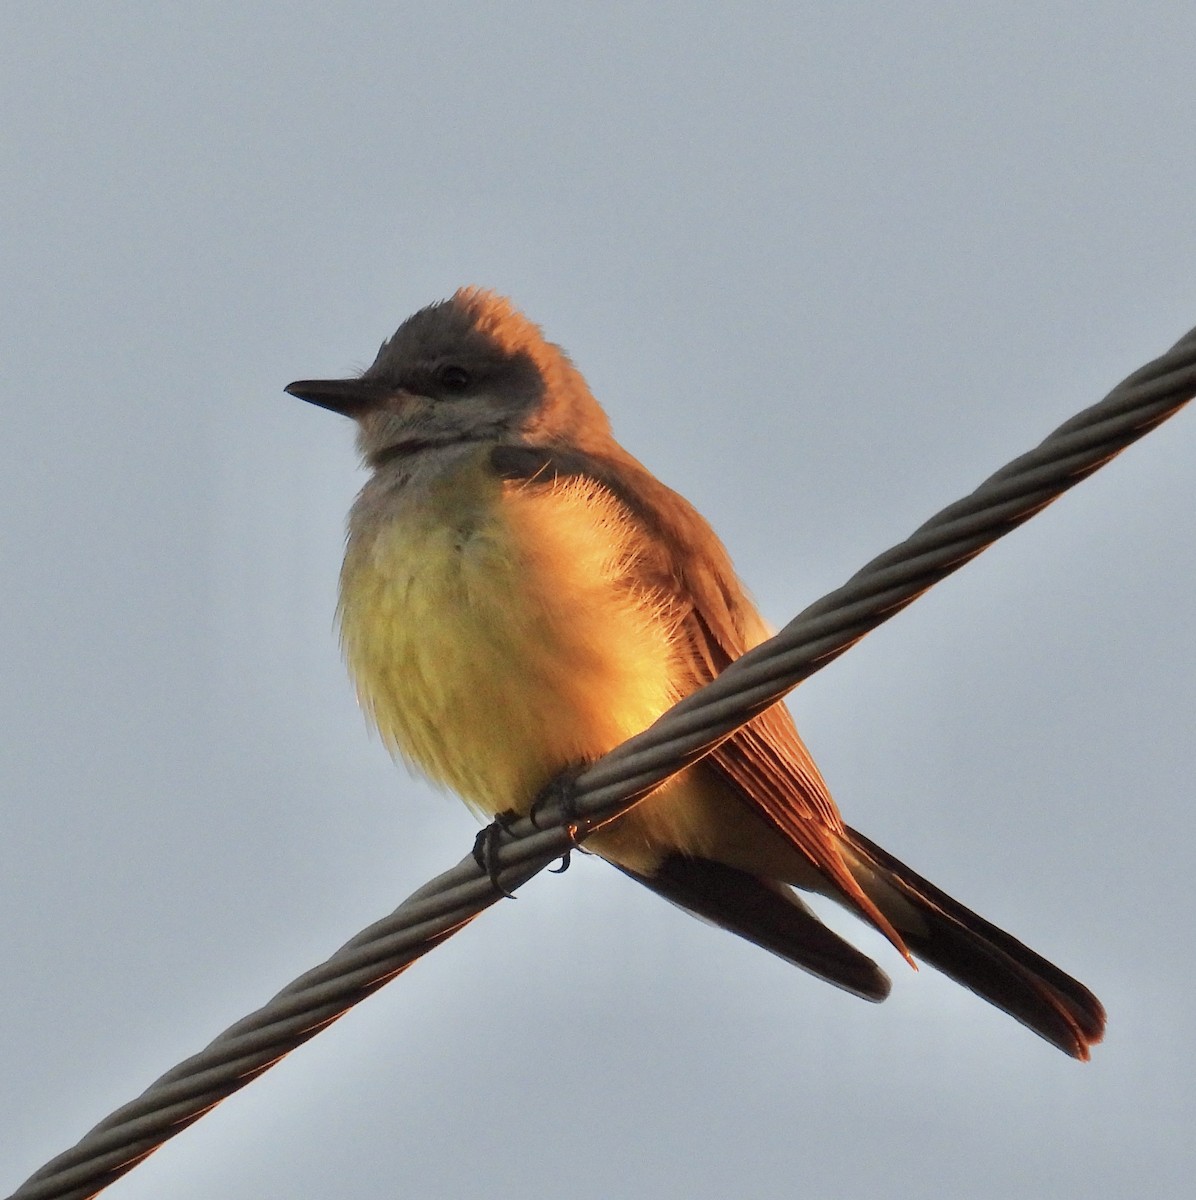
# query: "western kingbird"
519,595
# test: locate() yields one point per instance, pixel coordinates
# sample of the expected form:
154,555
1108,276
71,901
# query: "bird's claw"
485,849
559,792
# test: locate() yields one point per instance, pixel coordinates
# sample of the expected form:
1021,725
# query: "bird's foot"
485,848
560,793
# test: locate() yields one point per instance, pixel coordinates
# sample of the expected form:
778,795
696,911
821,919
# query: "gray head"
467,369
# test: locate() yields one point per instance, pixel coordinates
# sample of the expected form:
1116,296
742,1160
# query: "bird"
519,595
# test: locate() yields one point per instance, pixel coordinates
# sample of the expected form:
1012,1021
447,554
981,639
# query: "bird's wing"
765,761
768,914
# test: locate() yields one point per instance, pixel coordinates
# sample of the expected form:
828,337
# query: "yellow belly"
497,634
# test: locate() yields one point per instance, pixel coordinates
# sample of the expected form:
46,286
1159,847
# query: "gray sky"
827,267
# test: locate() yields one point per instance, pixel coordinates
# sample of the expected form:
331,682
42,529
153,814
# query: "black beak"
349,397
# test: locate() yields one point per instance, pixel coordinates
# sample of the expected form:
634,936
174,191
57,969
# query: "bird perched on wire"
519,595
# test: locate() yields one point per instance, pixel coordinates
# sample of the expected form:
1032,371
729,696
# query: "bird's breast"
499,631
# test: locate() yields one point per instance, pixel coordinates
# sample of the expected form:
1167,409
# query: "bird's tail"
964,946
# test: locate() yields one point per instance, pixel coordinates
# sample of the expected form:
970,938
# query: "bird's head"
468,369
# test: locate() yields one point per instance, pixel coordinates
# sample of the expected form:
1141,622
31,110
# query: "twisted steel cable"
682,736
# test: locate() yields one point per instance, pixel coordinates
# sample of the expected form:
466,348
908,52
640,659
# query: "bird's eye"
453,378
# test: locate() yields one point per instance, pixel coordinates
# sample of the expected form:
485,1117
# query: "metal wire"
682,736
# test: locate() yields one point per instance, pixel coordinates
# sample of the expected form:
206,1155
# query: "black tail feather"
987,960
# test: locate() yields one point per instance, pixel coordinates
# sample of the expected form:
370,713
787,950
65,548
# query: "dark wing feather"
768,914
